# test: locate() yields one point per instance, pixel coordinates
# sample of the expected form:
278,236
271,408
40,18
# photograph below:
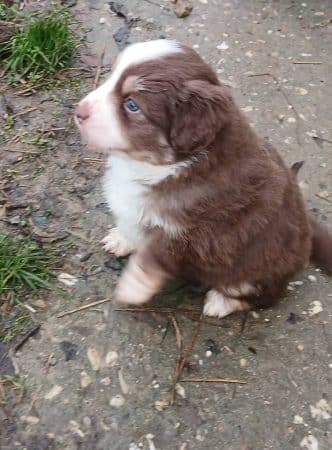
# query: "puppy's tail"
321,250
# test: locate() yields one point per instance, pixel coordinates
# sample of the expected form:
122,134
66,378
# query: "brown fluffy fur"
241,213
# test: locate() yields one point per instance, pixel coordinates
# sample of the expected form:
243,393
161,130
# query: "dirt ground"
100,379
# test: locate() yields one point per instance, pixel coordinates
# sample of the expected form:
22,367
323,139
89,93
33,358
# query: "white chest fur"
126,186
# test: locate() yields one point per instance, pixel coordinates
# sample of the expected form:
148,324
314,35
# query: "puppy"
194,191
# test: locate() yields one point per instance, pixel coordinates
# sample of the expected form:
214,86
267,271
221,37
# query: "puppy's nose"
82,112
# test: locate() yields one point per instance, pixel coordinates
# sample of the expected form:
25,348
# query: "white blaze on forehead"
103,129
140,52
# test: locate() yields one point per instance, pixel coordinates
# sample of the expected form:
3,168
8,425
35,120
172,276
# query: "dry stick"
212,380
183,359
81,308
98,71
25,112
283,93
28,152
160,310
178,334
307,62
27,335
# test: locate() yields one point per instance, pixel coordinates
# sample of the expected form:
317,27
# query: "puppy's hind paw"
217,305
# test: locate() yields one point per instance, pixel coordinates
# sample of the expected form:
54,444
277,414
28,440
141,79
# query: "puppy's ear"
202,109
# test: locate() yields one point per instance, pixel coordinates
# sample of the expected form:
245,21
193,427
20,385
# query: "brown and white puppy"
194,191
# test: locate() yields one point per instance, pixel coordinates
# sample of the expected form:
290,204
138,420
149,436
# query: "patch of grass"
16,389
24,268
12,326
8,13
34,139
9,122
43,47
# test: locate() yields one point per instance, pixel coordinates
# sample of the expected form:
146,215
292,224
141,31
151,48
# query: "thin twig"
212,380
81,308
28,335
24,112
307,62
160,310
324,198
98,71
178,334
183,359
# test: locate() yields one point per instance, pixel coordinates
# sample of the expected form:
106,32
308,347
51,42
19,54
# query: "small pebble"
180,390
255,314
105,381
117,401
102,20
86,421
208,353
111,358
309,443
85,380
312,278
222,46
316,308
321,411
52,360
300,348
298,420
243,362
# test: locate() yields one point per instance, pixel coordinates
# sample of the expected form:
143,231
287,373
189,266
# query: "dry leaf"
94,358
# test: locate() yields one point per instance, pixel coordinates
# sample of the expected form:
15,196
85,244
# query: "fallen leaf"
160,405
182,8
94,358
323,194
55,391
67,279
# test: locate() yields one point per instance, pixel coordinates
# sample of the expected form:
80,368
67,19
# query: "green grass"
24,269
43,47
12,325
8,13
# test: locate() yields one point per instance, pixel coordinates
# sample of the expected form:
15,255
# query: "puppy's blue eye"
131,106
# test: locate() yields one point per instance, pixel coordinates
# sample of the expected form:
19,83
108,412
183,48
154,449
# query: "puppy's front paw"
115,243
137,286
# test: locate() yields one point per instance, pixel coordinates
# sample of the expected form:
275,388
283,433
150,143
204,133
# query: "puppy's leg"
117,244
218,305
141,279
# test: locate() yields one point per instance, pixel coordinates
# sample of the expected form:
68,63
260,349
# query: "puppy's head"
162,104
